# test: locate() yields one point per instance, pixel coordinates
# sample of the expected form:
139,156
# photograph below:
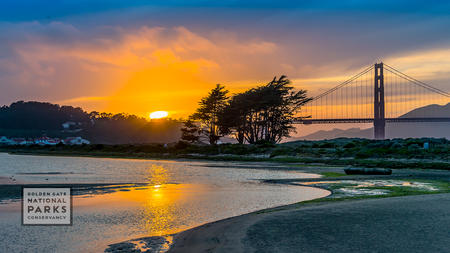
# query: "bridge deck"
368,120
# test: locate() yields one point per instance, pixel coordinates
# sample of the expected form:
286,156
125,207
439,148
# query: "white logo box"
46,206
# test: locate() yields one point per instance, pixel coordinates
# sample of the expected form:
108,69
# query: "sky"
143,56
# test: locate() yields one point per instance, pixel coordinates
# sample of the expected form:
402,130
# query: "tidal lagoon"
117,200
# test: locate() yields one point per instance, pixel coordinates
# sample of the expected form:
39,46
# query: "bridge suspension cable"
339,100
353,99
344,83
415,81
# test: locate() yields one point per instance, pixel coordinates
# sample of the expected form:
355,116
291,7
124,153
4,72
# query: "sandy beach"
396,224
401,224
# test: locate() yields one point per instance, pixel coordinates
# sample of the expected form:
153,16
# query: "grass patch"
394,191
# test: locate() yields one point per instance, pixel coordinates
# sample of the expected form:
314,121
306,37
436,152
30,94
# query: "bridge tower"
379,121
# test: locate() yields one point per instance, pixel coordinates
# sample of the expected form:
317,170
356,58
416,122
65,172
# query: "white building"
43,141
46,141
5,141
75,141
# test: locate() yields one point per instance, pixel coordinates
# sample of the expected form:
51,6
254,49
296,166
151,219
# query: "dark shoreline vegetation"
38,119
395,154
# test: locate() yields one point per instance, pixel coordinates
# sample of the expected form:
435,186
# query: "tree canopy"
209,110
261,114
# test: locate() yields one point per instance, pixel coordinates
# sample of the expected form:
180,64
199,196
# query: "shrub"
414,147
350,145
327,145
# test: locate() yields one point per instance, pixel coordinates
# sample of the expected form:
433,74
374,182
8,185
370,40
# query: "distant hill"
339,133
429,111
397,130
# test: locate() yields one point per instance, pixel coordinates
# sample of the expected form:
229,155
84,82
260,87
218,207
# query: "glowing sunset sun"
158,114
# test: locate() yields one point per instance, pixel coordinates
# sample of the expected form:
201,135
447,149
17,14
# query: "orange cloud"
157,68
141,70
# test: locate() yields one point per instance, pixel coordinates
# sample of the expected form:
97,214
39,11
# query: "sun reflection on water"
158,175
158,201
158,204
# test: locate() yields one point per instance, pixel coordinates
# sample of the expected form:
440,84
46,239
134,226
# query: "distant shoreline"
350,161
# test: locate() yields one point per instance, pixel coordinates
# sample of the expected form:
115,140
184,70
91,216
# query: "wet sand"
398,224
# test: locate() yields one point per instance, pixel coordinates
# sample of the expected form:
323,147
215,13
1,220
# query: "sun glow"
158,114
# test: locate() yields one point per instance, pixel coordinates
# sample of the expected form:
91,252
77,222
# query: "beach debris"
152,244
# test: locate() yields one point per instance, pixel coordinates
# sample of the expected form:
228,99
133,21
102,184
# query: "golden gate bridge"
378,94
